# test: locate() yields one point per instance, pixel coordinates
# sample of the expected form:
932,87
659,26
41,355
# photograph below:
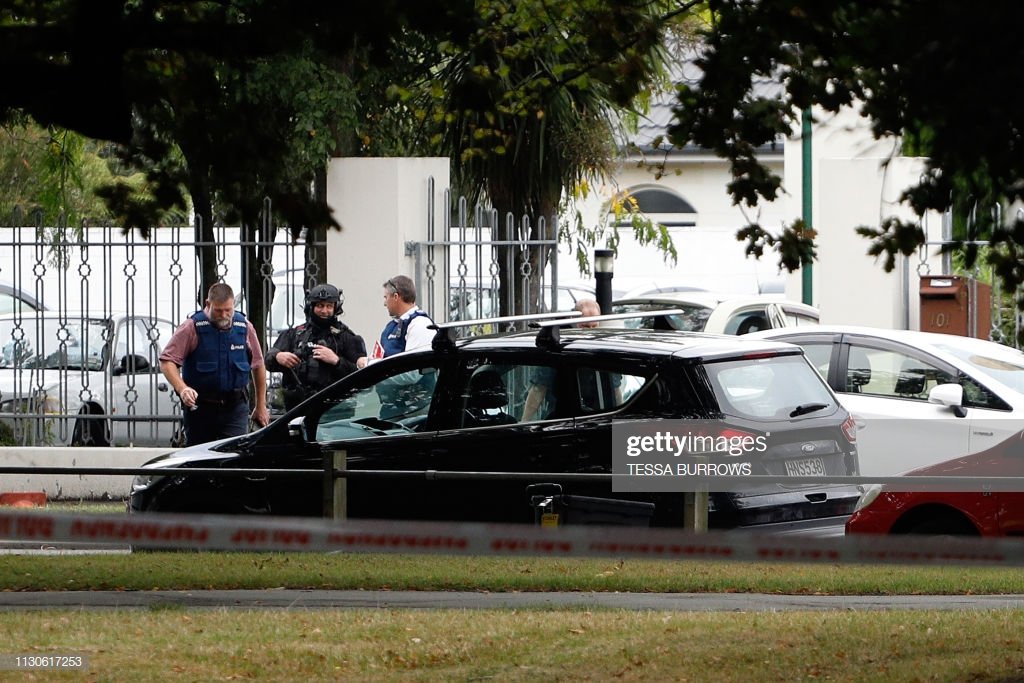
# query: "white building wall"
381,204
857,181
709,254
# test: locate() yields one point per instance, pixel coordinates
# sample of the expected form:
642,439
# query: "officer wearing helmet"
318,352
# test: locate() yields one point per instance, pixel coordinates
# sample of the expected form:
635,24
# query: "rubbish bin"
553,508
951,304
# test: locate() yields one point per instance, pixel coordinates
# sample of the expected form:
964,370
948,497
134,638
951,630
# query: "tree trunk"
206,252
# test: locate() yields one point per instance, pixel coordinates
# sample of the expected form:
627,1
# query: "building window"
664,206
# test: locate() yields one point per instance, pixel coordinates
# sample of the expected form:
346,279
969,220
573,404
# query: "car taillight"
758,355
729,433
850,429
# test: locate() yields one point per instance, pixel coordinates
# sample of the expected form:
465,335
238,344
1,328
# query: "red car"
974,513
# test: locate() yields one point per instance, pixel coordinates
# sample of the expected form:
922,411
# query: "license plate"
805,467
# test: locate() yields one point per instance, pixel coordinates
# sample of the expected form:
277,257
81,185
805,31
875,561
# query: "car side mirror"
131,364
295,428
949,395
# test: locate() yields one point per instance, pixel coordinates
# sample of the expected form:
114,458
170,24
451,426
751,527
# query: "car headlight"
868,495
141,482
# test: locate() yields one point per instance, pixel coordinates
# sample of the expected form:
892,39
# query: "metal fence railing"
85,369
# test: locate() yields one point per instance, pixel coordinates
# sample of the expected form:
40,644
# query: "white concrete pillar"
381,204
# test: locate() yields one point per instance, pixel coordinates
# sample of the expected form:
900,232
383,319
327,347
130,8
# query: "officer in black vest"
318,352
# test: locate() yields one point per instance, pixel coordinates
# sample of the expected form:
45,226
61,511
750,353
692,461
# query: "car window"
693,318
819,354
506,393
767,388
799,318
1003,363
495,394
138,345
10,303
893,374
396,404
978,396
744,322
52,343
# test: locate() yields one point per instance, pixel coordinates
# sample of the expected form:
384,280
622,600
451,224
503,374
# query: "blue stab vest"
392,339
221,361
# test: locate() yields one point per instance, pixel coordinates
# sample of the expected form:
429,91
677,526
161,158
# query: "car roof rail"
549,335
443,342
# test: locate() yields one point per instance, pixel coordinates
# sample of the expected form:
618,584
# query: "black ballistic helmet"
320,293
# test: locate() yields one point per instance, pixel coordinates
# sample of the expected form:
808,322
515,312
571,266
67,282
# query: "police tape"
210,532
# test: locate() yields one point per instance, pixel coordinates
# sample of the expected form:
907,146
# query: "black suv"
528,403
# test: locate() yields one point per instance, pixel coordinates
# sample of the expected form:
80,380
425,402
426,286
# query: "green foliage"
225,102
49,173
527,105
941,75
621,212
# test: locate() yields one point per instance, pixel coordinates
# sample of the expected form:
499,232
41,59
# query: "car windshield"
693,318
774,388
50,343
1001,362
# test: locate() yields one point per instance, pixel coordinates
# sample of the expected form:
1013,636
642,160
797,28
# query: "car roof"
72,316
934,340
7,287
621,340
712,300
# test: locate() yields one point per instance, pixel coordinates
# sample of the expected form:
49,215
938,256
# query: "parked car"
13,299
882,510
80,379
918,398
464,408
469,299
717,313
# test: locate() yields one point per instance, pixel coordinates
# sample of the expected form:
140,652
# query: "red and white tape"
205,532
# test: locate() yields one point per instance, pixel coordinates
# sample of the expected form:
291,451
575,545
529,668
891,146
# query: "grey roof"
652,130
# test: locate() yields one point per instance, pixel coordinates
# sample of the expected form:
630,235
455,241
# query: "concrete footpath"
354,599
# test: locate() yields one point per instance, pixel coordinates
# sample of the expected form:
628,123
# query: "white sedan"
85,379
717,313
918,397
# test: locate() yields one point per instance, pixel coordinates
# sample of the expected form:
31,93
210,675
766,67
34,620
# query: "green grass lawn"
173,643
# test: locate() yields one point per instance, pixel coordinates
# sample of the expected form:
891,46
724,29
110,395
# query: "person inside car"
544,378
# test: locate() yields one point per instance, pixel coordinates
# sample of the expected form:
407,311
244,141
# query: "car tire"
944,525
89,432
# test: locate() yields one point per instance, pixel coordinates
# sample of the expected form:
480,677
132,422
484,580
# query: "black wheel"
89,432
945,525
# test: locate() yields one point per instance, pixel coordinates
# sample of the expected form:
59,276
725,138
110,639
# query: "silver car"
84,379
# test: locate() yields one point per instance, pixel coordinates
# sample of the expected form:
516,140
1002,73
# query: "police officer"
318,352
208,361
409,328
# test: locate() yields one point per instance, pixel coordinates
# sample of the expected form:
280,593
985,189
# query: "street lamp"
604,265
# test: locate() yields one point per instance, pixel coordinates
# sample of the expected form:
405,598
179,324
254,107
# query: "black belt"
229,398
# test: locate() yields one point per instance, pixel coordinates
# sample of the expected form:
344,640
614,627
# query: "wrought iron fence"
476,250
85,369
